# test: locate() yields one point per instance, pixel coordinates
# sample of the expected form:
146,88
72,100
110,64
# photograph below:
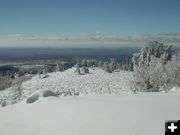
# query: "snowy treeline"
156,68
108,66
113,65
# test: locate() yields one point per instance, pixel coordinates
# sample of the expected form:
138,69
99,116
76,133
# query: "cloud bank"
86,40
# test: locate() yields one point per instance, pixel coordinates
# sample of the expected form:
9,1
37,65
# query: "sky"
88,22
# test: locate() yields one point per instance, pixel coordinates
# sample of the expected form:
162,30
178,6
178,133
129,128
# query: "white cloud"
86,39
170,34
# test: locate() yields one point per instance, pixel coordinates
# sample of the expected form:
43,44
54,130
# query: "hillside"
97,81
105,105
93,114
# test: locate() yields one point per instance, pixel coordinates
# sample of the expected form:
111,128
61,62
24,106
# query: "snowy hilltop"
96,97
69,82
155,68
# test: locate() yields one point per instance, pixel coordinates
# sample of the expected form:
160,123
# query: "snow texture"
97,81
104,106
93,114
70,83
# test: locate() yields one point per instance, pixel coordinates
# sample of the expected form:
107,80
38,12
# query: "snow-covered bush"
173,70
100,64
33,98
17,93
106,67
82,66
3,103
17,90
43,93
150,67
42,72
91,63
113,65
57,67
67,93
48,93
60,66
87,62
77,66
77,69
83,62
84,70
5,82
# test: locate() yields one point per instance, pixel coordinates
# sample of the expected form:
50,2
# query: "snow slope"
98,113
97,81
93,114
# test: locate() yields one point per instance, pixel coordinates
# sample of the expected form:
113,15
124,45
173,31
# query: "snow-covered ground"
97,81
105,106
93,114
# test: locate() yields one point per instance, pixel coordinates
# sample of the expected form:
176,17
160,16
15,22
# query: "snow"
93,114
105,106
97,81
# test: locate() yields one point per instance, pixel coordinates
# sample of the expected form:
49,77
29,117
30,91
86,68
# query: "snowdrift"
40,94
93,114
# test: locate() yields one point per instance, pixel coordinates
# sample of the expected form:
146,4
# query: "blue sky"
57,22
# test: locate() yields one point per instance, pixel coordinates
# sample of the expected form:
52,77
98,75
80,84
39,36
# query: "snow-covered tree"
83,62
106,67
100,64
84,70
44,72
39,74
57,67
89,63
113,65
173,70
150,66
17,89
77,66
154,48
61,66
176,62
